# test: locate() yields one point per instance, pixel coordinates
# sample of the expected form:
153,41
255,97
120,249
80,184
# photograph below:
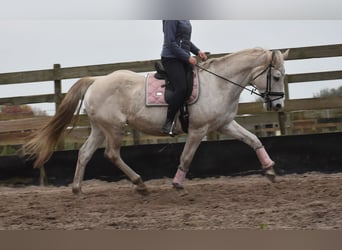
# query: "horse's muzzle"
273,105
277,107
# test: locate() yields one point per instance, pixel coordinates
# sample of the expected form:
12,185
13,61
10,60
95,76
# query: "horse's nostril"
278,106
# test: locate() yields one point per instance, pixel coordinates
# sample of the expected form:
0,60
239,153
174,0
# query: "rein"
265,95
252,91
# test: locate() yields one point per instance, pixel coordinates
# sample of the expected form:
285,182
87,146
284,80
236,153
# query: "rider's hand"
202,55
192,60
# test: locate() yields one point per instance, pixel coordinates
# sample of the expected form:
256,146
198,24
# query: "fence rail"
57,74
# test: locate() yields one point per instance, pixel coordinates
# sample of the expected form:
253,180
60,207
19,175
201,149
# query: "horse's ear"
286,54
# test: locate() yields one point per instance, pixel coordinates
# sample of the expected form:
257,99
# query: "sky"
76,33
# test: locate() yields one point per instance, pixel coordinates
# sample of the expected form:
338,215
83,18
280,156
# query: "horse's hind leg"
85,153
242,134
112,152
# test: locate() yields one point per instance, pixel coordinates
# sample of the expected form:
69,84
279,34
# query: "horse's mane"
246,52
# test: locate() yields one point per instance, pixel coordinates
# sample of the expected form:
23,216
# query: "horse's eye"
276,78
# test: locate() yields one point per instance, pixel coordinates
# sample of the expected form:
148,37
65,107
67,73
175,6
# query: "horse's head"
270,82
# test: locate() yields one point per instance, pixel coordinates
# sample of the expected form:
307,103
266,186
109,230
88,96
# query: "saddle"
159,91
169,89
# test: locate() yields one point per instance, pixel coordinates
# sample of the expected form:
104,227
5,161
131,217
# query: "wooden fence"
14,132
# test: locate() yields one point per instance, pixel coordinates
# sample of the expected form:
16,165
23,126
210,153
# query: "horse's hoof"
142,189
271,178
270,174
77,190
177,186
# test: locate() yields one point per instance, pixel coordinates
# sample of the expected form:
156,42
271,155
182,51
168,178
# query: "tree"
16,109
329,92
21,109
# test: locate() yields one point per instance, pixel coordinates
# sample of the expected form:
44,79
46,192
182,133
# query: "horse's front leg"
240,133
192,142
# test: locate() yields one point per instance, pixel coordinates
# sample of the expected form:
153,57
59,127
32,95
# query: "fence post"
136,137
282,115
58,96
282,122
58,85
286,87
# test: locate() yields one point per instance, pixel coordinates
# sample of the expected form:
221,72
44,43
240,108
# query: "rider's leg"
176,71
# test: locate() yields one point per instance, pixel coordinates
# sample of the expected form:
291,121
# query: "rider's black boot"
169,125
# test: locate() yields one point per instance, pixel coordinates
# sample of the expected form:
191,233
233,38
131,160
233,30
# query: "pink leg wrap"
179,177
264,158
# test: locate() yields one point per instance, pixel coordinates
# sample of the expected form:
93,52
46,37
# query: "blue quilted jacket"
177,40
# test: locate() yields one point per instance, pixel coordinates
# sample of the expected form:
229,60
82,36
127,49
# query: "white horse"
118,99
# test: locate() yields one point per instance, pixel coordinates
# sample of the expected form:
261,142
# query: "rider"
176,59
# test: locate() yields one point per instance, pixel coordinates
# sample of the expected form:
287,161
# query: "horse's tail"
45,139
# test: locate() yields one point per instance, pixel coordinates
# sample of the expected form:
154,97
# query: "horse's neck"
237,68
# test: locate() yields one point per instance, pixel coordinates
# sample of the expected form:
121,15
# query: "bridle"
268,93
265,95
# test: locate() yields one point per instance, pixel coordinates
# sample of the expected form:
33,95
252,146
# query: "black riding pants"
176,70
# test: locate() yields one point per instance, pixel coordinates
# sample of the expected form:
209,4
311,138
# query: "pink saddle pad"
155,90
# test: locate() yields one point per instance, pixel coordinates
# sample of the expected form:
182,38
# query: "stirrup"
171,132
